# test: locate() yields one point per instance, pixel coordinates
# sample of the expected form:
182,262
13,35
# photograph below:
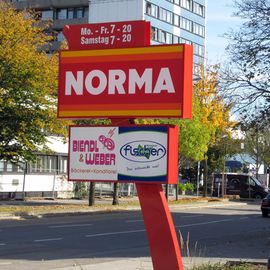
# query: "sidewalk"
145,263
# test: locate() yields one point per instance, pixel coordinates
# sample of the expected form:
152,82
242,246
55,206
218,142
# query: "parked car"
265,206
242,184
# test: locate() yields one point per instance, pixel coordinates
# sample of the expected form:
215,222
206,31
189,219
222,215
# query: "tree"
210,118
257,143
225,146
28,84
247,76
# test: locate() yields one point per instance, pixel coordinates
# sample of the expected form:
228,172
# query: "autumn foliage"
28,85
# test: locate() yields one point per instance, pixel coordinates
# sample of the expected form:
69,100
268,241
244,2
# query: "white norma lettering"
89,82
145,79
164,82
117,78
117,81
75,83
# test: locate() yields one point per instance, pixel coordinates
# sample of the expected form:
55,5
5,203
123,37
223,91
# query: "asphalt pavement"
102,206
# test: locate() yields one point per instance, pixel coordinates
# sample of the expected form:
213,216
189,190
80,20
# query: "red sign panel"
151,81
108,35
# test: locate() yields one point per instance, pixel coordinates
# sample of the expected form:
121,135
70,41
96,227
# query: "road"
56,242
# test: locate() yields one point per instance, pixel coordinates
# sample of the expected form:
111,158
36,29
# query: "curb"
32,215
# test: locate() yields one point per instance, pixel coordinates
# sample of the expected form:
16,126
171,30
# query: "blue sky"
219,21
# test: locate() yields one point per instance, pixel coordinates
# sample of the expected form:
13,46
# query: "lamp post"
225,137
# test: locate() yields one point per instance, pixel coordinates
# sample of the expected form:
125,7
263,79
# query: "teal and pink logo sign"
109,153
143,151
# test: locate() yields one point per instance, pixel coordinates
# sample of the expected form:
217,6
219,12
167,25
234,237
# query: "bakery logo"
143,151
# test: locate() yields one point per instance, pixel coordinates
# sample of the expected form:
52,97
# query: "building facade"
172,21
60,12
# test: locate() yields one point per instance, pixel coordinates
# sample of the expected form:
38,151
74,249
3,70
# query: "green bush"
190,187
182,187
186,187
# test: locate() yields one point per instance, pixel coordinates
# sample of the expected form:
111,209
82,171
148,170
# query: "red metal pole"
161,234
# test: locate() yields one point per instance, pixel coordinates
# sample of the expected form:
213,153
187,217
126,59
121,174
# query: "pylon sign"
145,154
154,81
104,76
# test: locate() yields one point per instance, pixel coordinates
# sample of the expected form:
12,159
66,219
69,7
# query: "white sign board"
109,153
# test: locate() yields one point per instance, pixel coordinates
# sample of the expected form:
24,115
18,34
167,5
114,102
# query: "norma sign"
108,35
154,81
124,154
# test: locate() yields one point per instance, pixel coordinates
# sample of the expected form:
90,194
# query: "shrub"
182,187
190,187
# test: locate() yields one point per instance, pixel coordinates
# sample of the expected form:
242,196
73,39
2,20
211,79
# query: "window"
79,13
44,164
183,40
175,39
151,9
186,24
62,164
70,13
85,12
198,9
165,15
9,167
164,37
1,166
198,49
162,14
154,33
169,17
21,167
168,38
186,4
177,2
61,14
198,29
161,36
176,20
46,14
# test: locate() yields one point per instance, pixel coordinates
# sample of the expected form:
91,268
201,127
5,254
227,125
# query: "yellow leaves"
28,84
211,116
214,112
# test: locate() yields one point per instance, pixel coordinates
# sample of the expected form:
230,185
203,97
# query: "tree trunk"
205,177
115,194
167,191
91,198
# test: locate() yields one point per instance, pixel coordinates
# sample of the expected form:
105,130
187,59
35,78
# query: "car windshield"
256,181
